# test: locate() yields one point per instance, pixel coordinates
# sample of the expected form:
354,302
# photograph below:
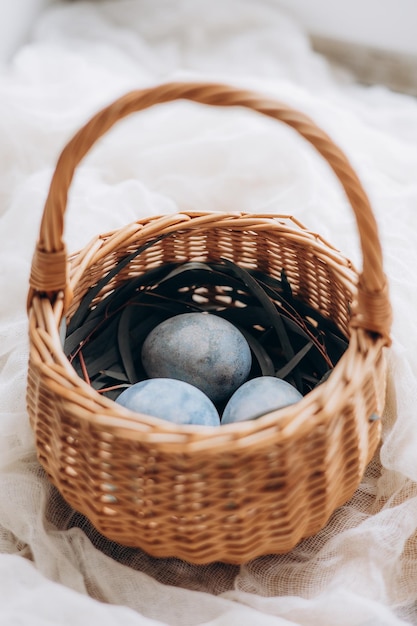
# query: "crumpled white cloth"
361,570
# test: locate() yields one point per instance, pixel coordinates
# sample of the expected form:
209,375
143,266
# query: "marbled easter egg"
172,400
257,397
201,349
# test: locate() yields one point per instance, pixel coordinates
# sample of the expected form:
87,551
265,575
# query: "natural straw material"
238,491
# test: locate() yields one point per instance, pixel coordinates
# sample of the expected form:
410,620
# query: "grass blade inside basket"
287,338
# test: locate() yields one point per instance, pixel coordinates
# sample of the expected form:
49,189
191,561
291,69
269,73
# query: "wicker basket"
220,494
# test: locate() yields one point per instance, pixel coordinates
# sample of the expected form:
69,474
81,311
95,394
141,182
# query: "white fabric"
361,570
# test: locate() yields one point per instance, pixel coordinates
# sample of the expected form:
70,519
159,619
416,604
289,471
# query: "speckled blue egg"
201,349
257,397
172,400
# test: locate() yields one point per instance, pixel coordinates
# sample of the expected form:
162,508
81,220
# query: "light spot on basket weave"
106,437
234,536
200,298
71,471
200,485
109,511
196,477
72,437
107,498
275,514
108,487
224,299
273,455
152,525
105,455
104,445
200,528
138,471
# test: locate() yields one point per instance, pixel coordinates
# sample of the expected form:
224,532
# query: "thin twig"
83,367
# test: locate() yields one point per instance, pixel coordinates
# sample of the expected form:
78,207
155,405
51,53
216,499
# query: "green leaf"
286,336
292,364
141,330
79,316
114,375
265,362
79,335
247,316
125,344
268,305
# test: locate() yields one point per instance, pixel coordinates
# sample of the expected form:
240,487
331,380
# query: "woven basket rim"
137,426
306,414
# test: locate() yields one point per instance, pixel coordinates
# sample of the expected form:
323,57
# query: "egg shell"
172,400
257,397
199,348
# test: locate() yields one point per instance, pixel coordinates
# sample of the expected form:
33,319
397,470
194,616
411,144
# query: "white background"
386,24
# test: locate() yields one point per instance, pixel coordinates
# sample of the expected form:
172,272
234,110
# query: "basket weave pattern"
238,491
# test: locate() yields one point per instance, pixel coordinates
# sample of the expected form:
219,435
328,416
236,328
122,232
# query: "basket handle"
49,265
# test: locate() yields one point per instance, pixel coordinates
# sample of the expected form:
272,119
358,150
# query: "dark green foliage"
287,338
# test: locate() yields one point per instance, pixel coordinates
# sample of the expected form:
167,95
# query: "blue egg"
172,400
257,397
201,349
